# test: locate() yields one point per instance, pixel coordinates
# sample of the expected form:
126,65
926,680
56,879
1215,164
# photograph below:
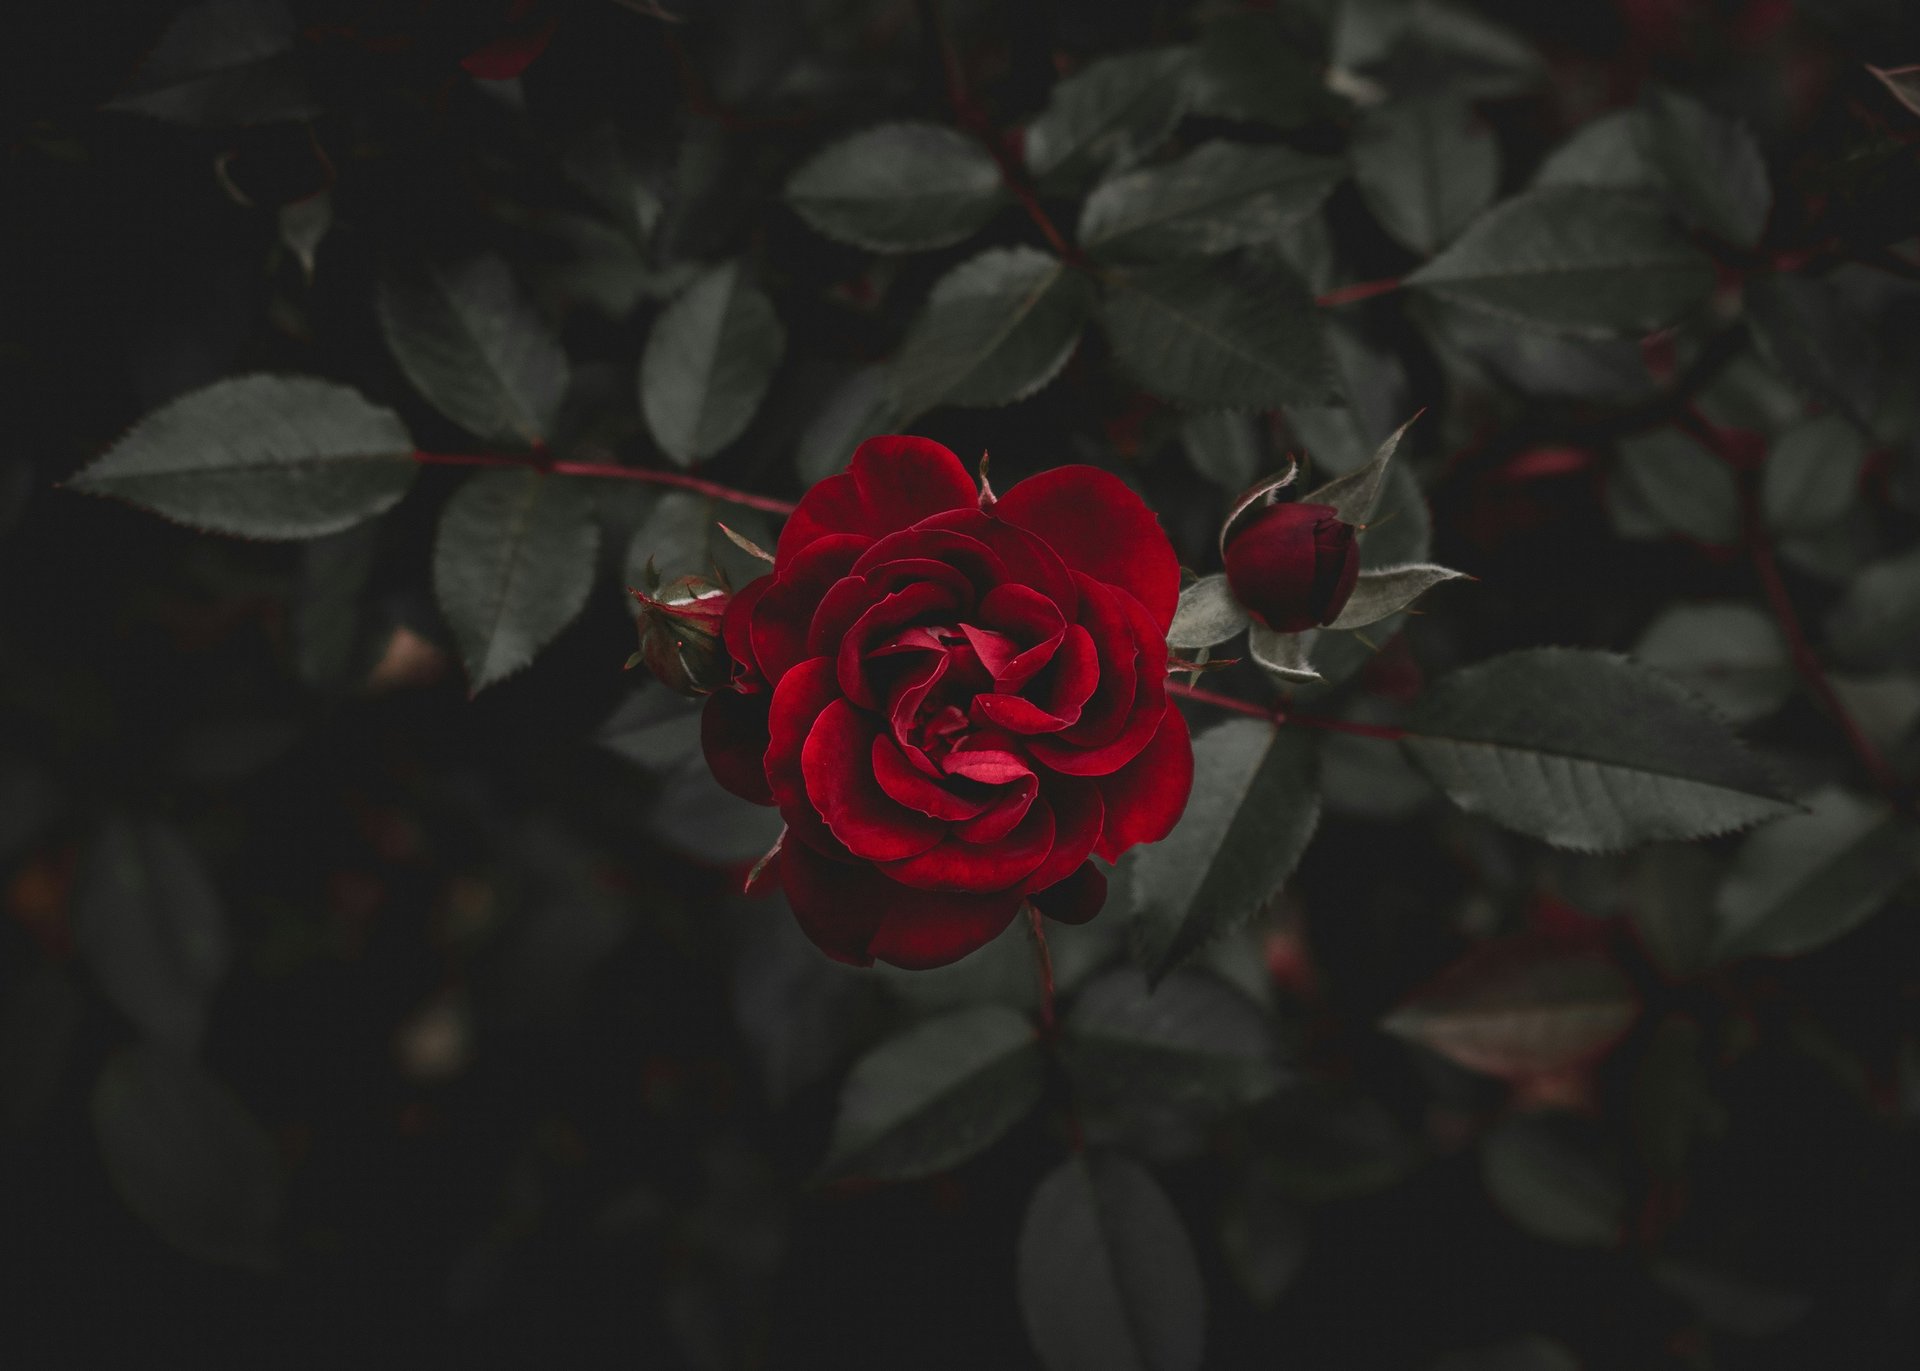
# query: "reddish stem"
1766,568
679,480
1386,732
1037,921
1359,290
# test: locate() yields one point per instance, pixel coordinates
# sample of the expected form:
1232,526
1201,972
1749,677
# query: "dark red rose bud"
680,635
1293,566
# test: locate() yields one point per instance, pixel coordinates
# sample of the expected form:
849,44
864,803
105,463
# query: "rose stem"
1766,568
1359,290
1037,921
1387,732
614,473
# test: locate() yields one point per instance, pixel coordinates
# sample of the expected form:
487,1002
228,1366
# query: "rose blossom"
955,702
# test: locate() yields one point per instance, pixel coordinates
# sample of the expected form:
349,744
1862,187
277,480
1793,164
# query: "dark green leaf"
1819,341
1287,657
1256,67
187,1157
904,187
996,329
1207,614
469,340
1420,43
149,923
1426,167
1254,808
1603,152
681,536
1710,164
1520,1007
1224,447
1107,117
221,63
1216,198
1587,750
1877,622
1574,259
1802,881
939,1093
1548,1176
1355,495
1730,653
708,363
1341,438
1385,592
1220,334
1107,1278
1812,475
1681,485
1191,1042
1263,1234
858,408
512,566
260,456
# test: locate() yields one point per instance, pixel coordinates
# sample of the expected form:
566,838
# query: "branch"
1385,732
678,480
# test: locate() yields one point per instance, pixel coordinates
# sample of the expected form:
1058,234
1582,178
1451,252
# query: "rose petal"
955,864
905,783
1027,558
987,765
1003,815
1032,620
785,612
837,763
1075,899
737,633
853,913
1078,812
733,734
963,553
1145,798
1102,528
797,701
892,483
903,609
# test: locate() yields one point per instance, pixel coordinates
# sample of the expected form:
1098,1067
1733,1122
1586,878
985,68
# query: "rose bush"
954,701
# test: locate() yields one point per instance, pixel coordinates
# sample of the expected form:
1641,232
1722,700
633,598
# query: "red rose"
954,702
1292,567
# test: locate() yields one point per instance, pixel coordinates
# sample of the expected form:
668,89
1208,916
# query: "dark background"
542,1086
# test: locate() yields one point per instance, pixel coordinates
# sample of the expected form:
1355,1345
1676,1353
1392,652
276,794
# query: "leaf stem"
1766,569
1359,290
1386,732
608,471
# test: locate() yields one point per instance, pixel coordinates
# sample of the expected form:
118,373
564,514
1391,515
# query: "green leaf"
1812,474
1285,656
941,1092
262,457
1423,42
1520,1007
187,1157
222,63
1819,340
149,923
1106,1274
1207,614
1254,808
1802,881
1546,1173
1257,67
1711,165
1356,494
1586,750
1729,653
1106,117
903,187
1425,167
996,329
1603,152
708,363
856,410
1218,197
1685,488
681,536
1385,592
1344,437
1191,1043
1219,334
470,341
1223,446
512,566
1877,622
1575,259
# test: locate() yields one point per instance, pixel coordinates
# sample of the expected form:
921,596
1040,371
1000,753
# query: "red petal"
797,701
733,734
854,913
1027,558
954,864
1146,797
1101,528
892,483
736,631
1030,618
885,620
910,786
837,763
784,613
1078,813
1073,751
1077,898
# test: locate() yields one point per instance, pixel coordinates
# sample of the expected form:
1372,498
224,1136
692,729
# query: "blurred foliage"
374,974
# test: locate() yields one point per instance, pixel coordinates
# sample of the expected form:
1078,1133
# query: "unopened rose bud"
680,634
1292,566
